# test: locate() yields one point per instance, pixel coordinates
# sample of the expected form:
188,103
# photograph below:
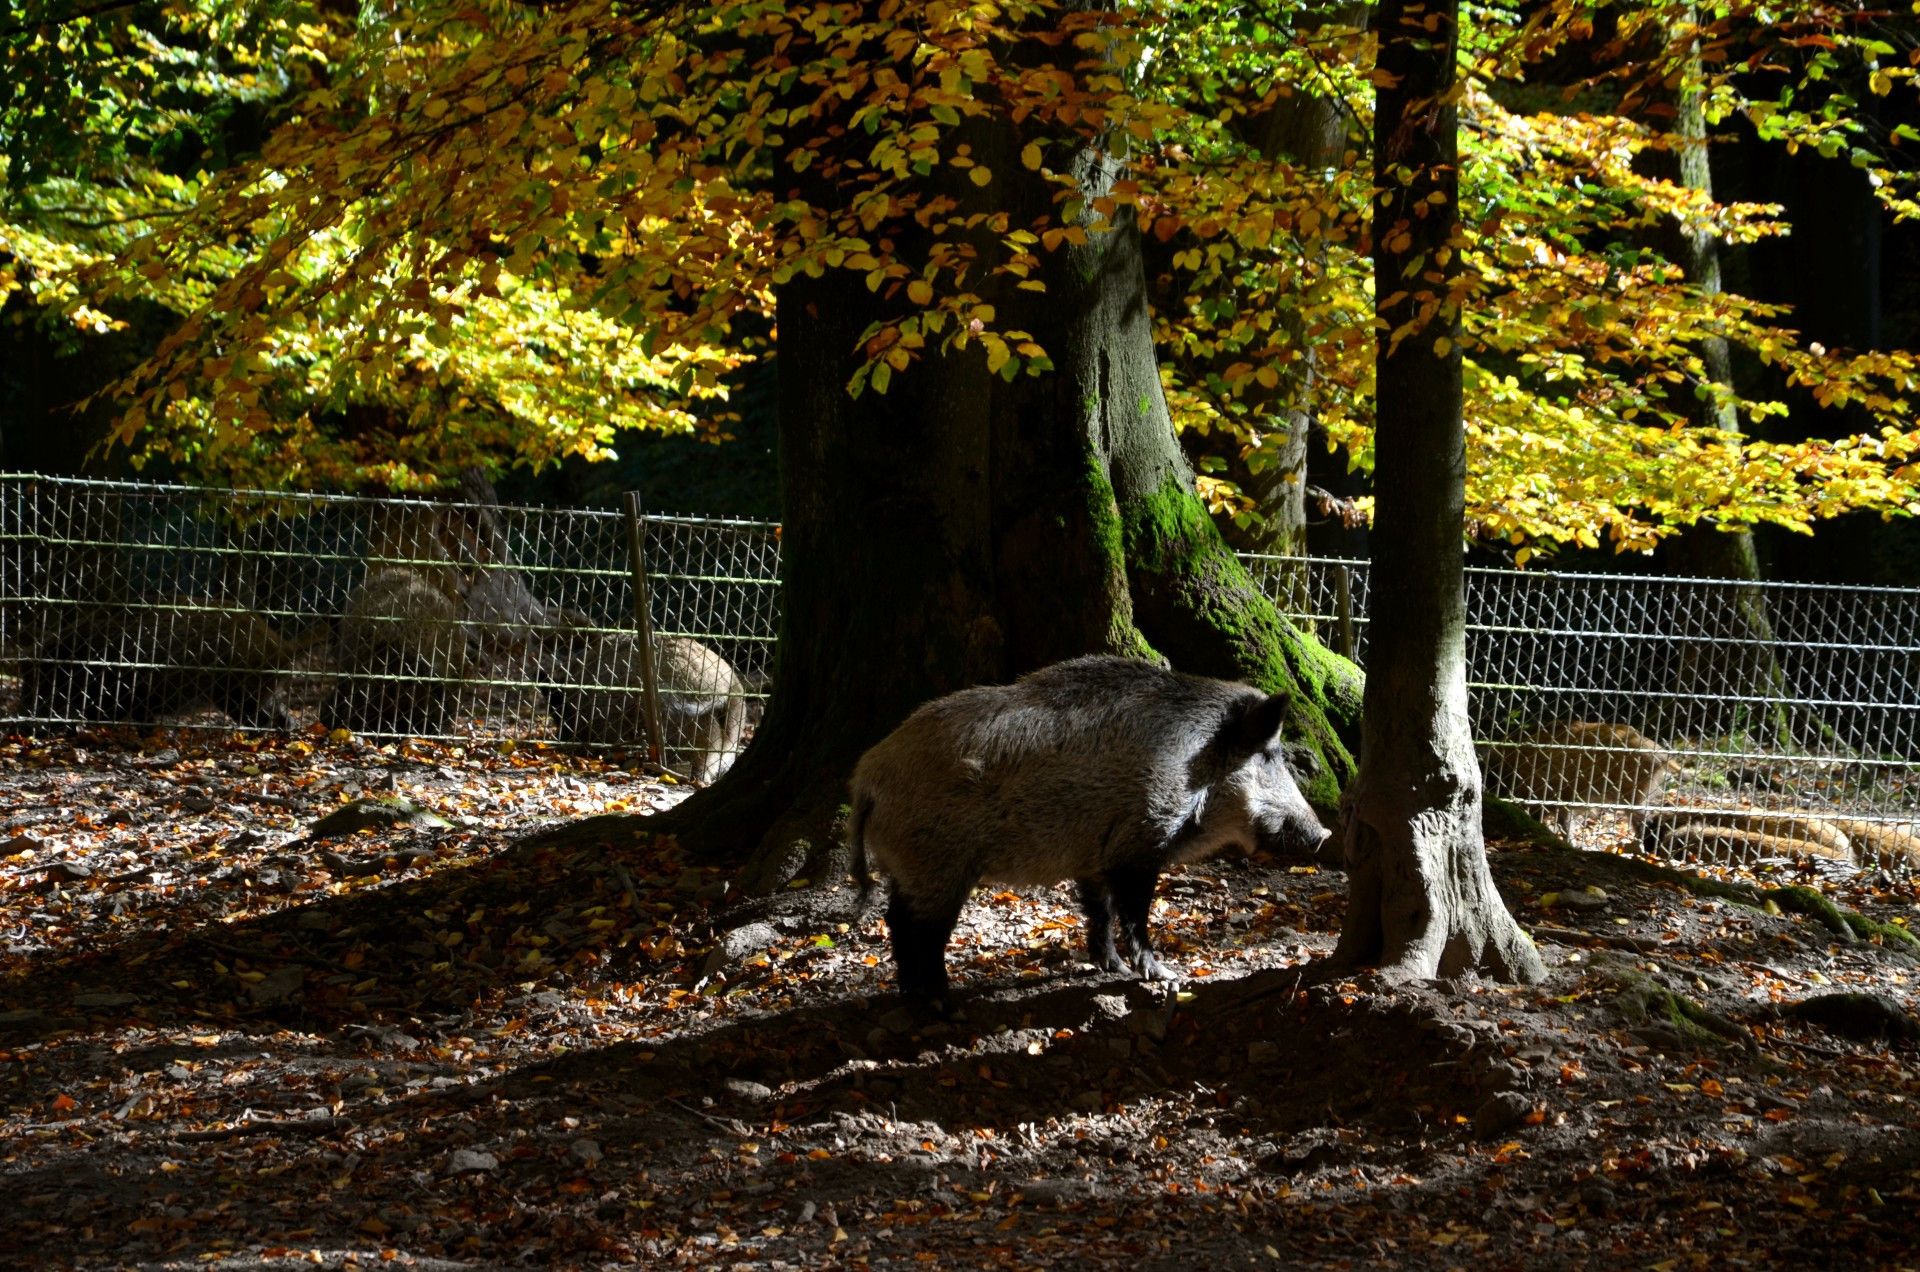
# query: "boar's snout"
1299,836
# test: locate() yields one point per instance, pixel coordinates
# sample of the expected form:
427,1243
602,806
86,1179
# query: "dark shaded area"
43,376
1852,276
736,476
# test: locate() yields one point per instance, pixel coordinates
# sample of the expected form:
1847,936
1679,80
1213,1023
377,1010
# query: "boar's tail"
857,843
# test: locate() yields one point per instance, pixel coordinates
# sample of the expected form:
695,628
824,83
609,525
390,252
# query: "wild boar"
144,662
401,651
1729,838
596,695
1889,844
1101,770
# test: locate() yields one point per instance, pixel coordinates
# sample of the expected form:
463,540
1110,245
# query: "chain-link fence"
386,617
1714,719
1717,719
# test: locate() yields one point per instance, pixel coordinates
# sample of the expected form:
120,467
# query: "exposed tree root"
1643,1000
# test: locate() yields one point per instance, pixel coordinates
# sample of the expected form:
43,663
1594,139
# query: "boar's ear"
1257,723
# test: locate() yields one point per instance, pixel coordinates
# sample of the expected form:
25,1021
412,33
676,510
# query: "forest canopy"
377,247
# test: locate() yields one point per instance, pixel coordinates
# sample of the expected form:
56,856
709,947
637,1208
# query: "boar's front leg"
1097,900
1132,889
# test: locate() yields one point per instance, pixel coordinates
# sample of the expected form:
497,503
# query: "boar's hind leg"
920,930
1132,889
1097,900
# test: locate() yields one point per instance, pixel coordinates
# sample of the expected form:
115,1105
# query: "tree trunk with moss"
965,528
1421,901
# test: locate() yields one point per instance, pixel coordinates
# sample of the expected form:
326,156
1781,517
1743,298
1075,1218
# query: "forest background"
1692,270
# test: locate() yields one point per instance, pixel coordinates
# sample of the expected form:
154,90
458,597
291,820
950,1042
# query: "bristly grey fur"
1101,770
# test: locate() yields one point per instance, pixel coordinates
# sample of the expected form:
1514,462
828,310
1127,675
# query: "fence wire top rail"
1363,565
228,493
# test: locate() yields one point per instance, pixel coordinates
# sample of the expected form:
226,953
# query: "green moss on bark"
1846,925
1890,935
1109,537
1203,605
1643,1000
1197,603
1103,510
1814,905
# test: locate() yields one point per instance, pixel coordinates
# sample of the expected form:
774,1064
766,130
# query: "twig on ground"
728,1125
267,1126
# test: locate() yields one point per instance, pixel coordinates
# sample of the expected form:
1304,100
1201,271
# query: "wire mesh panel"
711,579
153,604
1719,719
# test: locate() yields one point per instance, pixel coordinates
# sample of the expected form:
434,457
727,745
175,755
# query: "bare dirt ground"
229,1040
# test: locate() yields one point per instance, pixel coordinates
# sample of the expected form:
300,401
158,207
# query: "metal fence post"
1343,607
643,626
17,524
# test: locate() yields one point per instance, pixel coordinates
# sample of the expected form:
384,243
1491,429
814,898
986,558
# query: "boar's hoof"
1111,961
1152,969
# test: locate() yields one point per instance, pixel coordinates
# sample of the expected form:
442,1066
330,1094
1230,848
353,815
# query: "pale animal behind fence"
1715,719
1706,718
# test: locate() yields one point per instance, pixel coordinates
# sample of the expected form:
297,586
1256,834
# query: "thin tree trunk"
1421,901
1715,681
1309,130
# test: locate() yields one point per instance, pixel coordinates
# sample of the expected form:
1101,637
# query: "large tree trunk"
964,529
1421,901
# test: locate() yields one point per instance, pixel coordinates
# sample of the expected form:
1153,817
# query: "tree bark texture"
1421,900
